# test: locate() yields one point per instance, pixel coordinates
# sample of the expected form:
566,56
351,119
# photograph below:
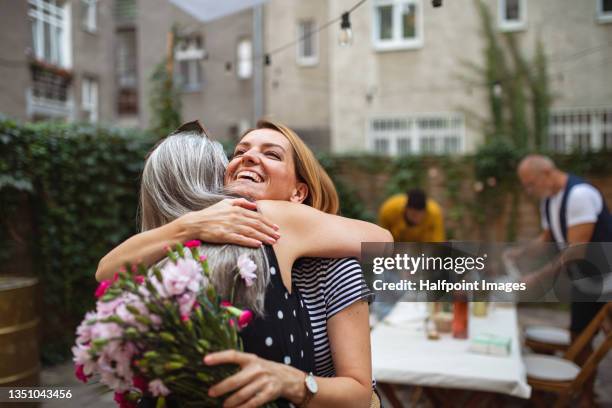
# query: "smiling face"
263,168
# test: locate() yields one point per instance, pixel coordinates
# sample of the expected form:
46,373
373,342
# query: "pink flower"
184,275
245,318
140,383
194,243
186,302
246,269
225,303
185,318
102,287
139,279
80,374
156,320
158,388
83,358
122,400
84,330
203,258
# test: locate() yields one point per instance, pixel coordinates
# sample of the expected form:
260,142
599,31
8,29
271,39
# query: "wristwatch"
311,389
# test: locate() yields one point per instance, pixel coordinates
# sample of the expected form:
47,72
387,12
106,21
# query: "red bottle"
460,318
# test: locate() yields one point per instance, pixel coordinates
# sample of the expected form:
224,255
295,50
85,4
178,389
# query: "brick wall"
371,186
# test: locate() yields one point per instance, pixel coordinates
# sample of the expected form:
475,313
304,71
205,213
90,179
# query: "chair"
562,376
546,339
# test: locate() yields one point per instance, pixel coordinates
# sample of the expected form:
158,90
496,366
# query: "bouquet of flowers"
152,328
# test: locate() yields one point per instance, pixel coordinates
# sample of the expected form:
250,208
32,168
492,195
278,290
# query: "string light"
346,33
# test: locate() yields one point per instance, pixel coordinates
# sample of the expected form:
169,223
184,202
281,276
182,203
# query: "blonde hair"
322,194
183,173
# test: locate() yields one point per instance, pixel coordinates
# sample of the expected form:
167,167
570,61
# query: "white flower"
158,388
246,269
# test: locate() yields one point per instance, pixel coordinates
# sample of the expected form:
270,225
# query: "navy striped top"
327,286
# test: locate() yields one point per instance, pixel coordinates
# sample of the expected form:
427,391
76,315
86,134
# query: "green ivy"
79,183
406,172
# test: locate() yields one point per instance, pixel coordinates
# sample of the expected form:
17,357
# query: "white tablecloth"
401,353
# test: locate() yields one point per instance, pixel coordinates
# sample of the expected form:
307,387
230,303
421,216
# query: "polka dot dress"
282,334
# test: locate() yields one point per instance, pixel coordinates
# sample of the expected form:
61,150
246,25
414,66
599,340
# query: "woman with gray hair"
176,180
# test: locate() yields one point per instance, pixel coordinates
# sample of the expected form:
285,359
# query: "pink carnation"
246,269
194,243
184,275
158,388
122,400
140,383
102,287
245,318
80,374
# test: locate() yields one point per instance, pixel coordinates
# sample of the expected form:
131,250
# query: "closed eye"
274,155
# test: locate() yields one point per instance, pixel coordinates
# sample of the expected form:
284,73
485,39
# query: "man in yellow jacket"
412,217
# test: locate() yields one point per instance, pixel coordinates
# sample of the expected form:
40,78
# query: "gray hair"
184,173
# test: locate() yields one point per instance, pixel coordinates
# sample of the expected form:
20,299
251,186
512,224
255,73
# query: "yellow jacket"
391,217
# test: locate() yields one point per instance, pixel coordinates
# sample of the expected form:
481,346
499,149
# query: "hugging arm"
229,221
320,234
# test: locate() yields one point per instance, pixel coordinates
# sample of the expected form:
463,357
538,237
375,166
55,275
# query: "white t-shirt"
584,204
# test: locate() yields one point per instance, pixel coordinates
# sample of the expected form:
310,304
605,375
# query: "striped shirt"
327,287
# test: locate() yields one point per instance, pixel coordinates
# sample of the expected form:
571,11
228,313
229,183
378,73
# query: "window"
89,99
604,11
188,56
50,24
49,95
244,67
127,73
89,17
423,134
398,24
512,15
307,46
580,129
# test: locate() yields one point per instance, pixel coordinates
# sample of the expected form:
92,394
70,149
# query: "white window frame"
57,16
603,16
244,63
575,124
307,60
512,25
407,129
90,15
89,98
191,55
397,42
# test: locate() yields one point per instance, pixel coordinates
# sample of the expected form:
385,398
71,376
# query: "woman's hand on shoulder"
231,221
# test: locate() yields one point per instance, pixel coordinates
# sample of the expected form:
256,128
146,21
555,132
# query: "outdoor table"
402,355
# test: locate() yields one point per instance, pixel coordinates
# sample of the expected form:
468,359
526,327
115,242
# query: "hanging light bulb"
346,33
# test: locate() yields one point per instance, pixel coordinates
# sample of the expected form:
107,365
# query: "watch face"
311,384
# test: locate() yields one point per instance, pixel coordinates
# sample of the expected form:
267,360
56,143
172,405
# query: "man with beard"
412,217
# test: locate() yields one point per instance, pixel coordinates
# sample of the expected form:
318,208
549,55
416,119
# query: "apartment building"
92,60
398,89
41,77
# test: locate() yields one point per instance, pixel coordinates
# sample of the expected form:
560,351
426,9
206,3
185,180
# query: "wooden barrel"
19,352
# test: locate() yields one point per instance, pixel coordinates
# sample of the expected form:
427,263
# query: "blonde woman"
272,162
